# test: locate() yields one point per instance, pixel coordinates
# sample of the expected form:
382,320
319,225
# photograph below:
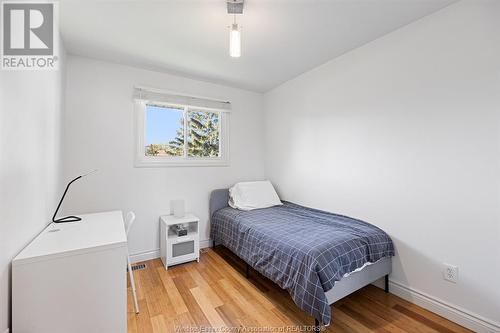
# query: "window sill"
161,163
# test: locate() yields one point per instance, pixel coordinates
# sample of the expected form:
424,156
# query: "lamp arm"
67,218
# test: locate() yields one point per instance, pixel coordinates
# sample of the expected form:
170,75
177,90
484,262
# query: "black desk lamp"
70,218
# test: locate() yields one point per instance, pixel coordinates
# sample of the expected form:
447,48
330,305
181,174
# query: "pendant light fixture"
235,7
235,41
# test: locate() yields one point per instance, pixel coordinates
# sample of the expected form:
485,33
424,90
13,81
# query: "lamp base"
67,219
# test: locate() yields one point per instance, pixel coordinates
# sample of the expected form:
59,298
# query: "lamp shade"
177,208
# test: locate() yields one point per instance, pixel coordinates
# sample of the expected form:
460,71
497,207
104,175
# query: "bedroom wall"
100,134
403,132
31,104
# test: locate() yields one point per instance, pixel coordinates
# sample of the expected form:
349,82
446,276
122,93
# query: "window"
164,131
180,135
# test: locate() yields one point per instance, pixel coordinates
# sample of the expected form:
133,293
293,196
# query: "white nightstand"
179,249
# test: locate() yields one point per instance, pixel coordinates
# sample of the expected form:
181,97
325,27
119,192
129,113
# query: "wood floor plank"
194,309
209,274
348,321
184,320
258,311
426,321
252,306
396,318
203,284
222,293
139,281
365,319
228,315
207,307
242,302
250,292
156,298
160,324
283,317
206,269
215,293
131,324
143,319
172,292
366,314
392,300
131,318
341,327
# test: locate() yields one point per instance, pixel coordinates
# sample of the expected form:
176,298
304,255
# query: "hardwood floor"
215,293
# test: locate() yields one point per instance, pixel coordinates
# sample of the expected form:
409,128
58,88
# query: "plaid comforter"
301,249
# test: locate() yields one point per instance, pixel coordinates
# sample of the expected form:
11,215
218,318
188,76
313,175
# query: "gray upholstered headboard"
218,200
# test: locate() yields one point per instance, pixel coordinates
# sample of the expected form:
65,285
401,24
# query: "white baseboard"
205,243
451,312
153,254
143,256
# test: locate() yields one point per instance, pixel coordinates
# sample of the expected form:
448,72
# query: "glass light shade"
235,41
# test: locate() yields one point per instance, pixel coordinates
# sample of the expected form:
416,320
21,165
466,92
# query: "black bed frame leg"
386,283
316,325
247,271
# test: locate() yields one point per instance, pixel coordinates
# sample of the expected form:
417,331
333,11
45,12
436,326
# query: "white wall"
30,162
404,133
100,134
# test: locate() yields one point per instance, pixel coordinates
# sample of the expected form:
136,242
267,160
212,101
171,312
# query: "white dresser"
72,278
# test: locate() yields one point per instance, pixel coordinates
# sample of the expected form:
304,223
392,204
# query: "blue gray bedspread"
301,249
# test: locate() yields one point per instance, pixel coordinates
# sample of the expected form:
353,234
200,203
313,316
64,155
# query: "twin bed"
318,257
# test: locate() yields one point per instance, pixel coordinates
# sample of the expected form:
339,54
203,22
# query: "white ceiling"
280,39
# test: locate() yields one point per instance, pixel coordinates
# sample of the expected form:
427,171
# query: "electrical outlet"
450,273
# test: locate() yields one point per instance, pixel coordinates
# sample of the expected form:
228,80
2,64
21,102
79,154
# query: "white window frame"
143,161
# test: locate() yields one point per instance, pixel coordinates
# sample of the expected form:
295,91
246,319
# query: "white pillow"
253,195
